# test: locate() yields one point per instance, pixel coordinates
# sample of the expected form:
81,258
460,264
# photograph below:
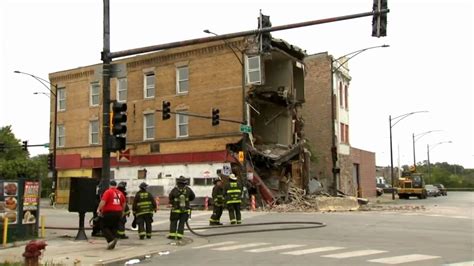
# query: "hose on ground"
311,226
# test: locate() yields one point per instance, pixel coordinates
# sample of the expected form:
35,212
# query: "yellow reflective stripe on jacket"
144,212
181,211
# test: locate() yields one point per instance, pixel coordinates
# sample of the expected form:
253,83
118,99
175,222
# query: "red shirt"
114,200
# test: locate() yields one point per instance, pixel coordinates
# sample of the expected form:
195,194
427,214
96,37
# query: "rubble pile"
322,202
299,202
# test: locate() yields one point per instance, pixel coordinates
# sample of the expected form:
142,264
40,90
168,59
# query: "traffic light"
215,117
119,127
166,109
50,161
25,145
119,118
265,38
379,22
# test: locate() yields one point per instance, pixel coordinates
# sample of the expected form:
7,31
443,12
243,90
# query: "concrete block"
337,204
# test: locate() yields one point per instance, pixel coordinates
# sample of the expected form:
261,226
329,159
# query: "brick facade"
317,116
366,165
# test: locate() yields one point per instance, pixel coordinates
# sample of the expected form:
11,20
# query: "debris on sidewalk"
300,202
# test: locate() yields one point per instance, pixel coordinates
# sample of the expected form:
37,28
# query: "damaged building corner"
276,155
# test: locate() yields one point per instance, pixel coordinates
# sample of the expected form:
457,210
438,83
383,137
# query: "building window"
149,128
61,98
346,97
182,124
341,96
344,133
149,85
253,70
200,181
94,94
61,138
122,89
94,132
182,79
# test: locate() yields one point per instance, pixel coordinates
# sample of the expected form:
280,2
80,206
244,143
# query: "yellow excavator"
411,184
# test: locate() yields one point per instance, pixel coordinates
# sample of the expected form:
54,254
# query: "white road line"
258,250
464,263
351,254
404,259
240,246
216,244
311,250
459,217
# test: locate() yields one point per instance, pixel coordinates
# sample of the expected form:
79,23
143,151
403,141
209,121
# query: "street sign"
226,170
245,129
46,145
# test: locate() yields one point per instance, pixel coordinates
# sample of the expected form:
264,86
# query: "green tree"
15,162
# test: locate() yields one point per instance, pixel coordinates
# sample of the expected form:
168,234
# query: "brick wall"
214,81
366,162
317,115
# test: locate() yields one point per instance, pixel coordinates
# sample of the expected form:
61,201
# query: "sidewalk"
62,249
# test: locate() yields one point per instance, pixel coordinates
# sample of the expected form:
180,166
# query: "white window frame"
94,95
93,132
147,86
61,99
146,126
123,88
180,123
249,70
179,80
61,136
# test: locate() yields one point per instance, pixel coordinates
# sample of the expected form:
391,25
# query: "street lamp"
417,137
54,93
396,119
428,151
351,55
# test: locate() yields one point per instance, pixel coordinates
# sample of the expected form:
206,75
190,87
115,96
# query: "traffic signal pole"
153,48
106,59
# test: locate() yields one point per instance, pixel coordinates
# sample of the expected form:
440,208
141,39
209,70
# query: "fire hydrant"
33,252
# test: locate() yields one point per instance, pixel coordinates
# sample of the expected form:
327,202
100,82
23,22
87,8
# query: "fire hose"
303,225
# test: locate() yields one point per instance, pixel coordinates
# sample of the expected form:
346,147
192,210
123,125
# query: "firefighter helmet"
182,180
143,185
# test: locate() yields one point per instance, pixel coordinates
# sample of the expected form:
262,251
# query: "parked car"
442,189
432,191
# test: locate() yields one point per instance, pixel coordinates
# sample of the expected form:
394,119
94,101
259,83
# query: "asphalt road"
435,231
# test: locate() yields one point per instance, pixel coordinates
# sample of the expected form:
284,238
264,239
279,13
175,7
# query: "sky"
428,66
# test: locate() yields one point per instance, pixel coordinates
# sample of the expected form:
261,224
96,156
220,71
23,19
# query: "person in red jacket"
111,208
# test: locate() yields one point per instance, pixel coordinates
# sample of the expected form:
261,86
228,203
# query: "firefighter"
144,205
179,198
122,186
233,193
218,202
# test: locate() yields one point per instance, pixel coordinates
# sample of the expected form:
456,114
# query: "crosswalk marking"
404,259
351,254
240,246
273,248
216,244
311,250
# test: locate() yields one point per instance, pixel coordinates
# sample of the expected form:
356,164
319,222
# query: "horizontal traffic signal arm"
204,116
